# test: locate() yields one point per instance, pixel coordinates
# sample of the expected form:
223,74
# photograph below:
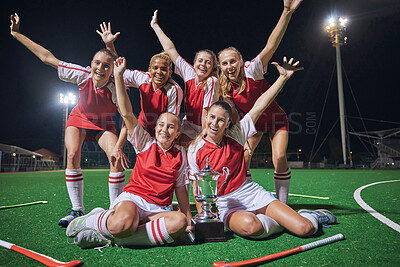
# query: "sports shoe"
79,223
71,214
90,238
325,217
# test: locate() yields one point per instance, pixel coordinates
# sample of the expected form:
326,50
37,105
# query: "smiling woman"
201,84
158,92
138,215
244,206
90,120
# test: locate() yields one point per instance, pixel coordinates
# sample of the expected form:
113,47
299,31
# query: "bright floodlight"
336,29
67,99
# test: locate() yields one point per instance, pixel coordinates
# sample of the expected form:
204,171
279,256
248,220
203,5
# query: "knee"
121,224
304,228
248,226
279,159
72,154
175,222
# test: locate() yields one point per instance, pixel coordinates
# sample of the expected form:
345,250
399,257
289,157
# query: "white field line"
365,206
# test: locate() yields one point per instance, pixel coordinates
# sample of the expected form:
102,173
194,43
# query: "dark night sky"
32,117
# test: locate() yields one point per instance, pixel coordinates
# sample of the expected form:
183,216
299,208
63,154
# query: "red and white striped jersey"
196,97
96,106
157,171
273,118
154,102
229,153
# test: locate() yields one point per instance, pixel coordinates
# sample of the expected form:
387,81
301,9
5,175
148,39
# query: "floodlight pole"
336,30
341,102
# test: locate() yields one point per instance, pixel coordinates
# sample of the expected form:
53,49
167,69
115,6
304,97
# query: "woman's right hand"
154,21
106,34
15,22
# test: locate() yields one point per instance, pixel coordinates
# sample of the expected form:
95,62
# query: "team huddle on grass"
228,105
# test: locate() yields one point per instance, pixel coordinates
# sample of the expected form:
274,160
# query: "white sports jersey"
254,69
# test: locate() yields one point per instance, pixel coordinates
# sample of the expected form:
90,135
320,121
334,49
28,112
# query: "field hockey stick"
278,255
24,204
306,196
46,260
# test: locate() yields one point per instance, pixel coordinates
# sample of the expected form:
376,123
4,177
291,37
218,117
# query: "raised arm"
277,34
107,36
124,104
285,72
42,53
166,43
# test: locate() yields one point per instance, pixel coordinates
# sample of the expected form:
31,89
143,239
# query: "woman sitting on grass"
138,215
244,206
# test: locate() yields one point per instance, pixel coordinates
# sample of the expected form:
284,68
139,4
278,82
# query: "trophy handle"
187,171
225,171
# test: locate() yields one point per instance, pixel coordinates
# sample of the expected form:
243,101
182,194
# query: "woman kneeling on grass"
138,216
245,207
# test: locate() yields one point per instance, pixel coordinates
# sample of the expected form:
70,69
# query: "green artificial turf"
368,241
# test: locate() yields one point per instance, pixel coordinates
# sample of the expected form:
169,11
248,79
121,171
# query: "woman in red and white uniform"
91,119
138,215
244,206
158,92
243,83
201,84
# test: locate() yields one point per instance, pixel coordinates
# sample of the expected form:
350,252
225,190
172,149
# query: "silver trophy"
208,227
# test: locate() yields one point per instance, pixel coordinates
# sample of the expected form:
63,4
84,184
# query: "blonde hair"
174,115
214,71
162,55
225,84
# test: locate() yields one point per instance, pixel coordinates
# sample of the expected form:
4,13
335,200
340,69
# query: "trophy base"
207,231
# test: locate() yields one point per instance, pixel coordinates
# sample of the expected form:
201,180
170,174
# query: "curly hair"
162,55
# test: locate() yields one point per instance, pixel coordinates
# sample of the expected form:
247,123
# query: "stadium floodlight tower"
336,29
65,100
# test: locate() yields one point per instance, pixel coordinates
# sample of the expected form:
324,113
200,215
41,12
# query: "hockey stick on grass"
46,260
24,204
278,255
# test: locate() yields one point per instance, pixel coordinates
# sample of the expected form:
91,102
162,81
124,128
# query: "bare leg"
245,223
124,221
252,142
288,218
74,138
107,141
248,224
279,142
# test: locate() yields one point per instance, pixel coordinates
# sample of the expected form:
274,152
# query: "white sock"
74,181
312,218
282,182
116,182
98,222
153,233
270,226
248,174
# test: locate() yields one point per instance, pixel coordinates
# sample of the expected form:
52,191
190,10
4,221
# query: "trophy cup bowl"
208,227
